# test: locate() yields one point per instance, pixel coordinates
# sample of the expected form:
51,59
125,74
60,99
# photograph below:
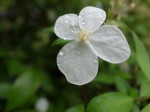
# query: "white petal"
110,44
78,62
67,27
90,18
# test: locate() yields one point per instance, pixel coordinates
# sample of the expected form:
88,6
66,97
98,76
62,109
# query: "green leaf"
142,56
47,84
111,102
122,85
134,92
27,110
106,77
135,109
4,89
145,88
15,67
24,88
49,29
146,108
77,108
59,41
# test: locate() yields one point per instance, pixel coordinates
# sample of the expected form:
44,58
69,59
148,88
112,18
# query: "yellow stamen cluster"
83,36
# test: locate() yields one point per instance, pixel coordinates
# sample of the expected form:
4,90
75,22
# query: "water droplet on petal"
83,19
95,61
90,11
72,31
66,21
61,53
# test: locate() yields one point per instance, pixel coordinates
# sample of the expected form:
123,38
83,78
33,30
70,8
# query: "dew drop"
95,61
100,16
61,53
72,31
90,11
83,19
66,21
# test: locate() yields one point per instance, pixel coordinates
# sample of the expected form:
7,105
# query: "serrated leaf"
77,108
146,108
24,88
142,56
111,102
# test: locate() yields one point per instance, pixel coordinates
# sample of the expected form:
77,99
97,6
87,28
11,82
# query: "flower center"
83,36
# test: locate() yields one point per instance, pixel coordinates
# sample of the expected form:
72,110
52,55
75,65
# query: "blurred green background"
29,76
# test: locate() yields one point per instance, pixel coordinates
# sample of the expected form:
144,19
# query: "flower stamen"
83,36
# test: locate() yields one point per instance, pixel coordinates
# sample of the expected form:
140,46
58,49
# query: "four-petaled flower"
78,59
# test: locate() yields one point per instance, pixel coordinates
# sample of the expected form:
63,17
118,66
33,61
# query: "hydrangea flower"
78,60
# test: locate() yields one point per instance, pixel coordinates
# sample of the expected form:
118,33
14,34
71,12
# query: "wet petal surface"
90,18
110,44
77,62
67,27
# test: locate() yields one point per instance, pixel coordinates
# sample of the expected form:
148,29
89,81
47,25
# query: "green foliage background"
28,50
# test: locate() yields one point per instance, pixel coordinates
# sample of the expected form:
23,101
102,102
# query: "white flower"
78,59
